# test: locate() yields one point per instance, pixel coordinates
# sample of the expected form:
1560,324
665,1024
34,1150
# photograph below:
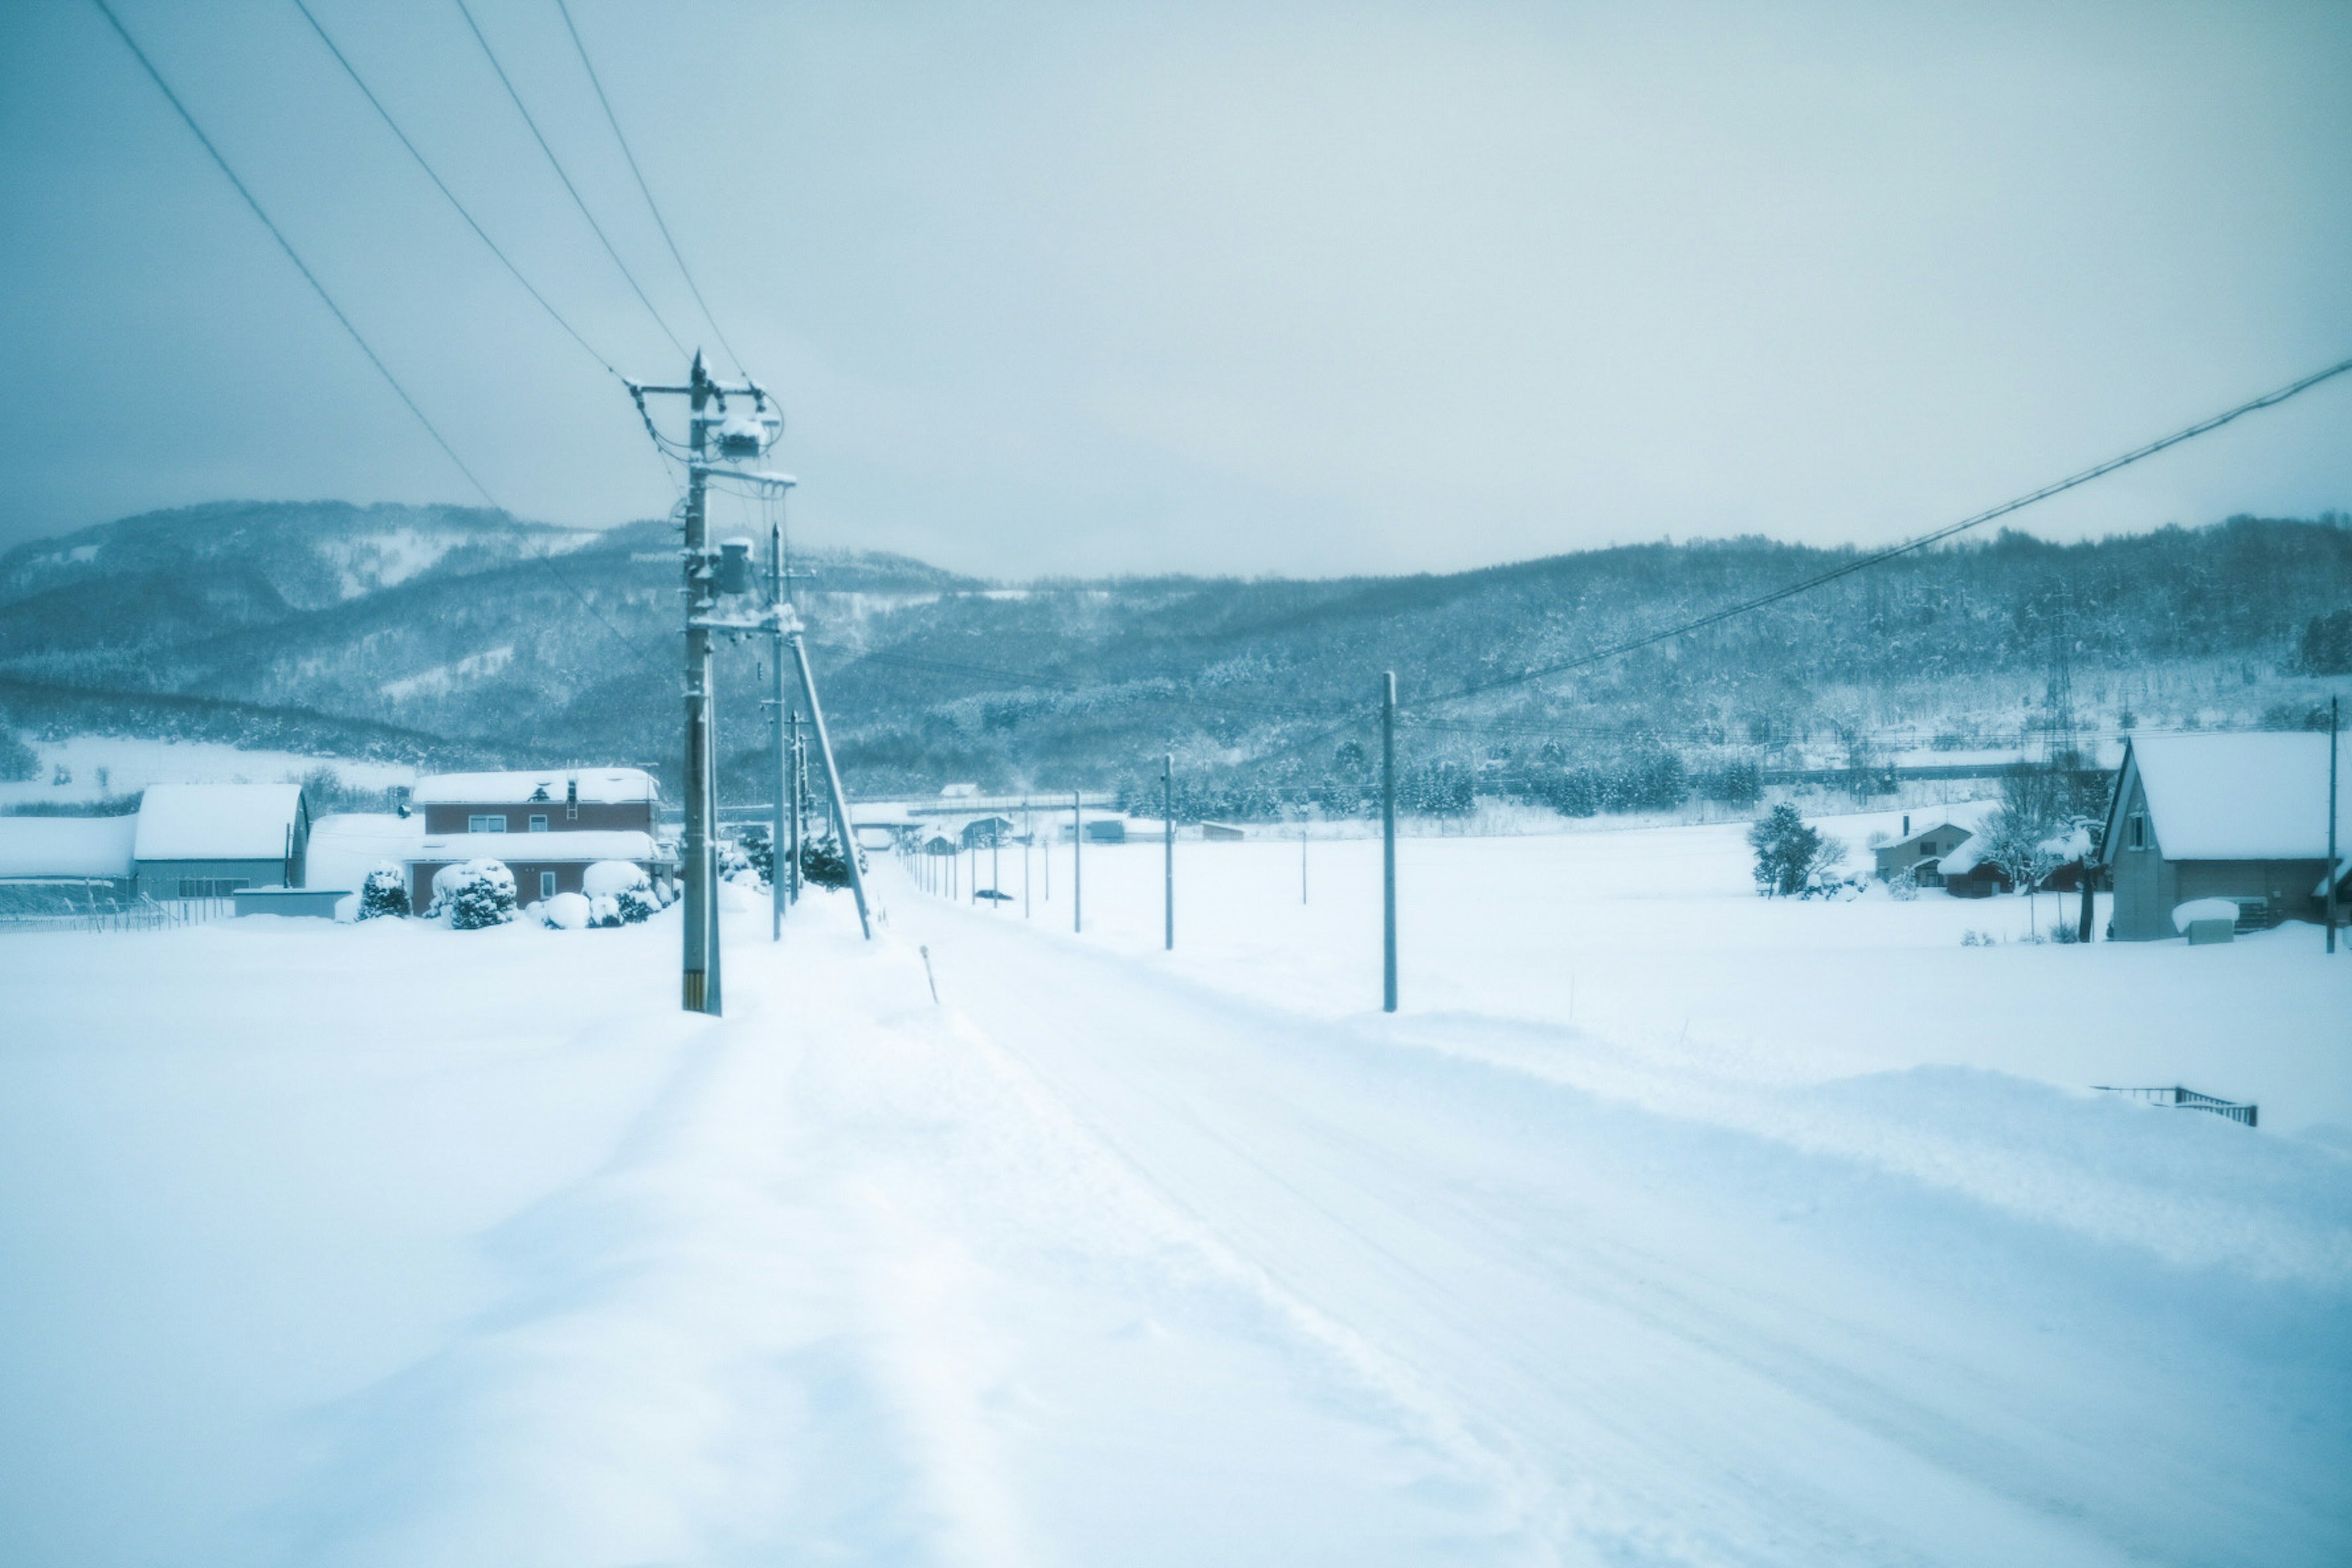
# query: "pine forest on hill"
427,634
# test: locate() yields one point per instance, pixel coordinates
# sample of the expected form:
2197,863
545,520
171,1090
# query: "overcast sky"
1265,287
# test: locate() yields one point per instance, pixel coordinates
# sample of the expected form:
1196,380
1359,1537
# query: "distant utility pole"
1077,870
1388,843
800,798
1168,840
2334,874
778,885
1302,862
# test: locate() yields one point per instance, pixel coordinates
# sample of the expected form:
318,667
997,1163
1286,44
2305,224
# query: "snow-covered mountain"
424,631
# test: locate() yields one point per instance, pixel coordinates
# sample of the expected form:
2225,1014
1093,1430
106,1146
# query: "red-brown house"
548,827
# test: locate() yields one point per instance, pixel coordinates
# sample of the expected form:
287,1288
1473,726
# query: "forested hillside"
449,633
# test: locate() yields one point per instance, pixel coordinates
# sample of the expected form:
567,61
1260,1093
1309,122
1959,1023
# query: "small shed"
205,841
1221,833
1966,874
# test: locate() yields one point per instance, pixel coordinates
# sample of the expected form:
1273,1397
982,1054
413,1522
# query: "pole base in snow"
694,992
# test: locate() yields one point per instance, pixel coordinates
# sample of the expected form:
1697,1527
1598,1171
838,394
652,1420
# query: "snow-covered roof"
1966,858
2241,797
536,847
2195,910
599,786
215,822
1903,844
67,846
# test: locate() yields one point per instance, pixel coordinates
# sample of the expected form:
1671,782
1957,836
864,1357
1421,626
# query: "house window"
547,884
486,823
539,822
2135,835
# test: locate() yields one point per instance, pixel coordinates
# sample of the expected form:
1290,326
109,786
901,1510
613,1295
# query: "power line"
319,289
614,121
1730,612
442,185
557,164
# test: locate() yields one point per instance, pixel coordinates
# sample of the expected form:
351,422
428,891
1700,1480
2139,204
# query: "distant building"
1221,833
2243,818
547,827
960,791
206,841
1966,874
65,862
986,832
1918,852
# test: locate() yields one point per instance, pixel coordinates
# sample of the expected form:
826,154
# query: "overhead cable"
328,300
614,121
1865,562
557,164
442,185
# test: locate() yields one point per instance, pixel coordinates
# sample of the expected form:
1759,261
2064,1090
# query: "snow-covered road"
1689,1343
394,1245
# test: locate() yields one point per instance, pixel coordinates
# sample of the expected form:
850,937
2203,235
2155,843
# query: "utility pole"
1302,863
1388,843
2334,872
1168,839
701,976
711,576
779,888
1077,870
833,786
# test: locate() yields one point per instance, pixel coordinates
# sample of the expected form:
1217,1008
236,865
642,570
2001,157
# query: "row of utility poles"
1167,853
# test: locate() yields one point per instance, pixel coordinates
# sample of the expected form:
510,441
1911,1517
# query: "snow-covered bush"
385,892
564,911
604,911
623,885
1903,885
475,894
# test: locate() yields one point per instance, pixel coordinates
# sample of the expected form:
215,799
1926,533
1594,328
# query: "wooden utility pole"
1168,838
1077,870
1388,843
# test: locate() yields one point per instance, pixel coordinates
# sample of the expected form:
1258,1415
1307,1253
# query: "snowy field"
1664,1225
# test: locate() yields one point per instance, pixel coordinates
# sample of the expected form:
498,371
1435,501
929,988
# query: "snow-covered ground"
96,766
1665,1224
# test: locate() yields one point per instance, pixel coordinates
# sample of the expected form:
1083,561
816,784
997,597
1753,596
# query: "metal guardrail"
2175,1096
